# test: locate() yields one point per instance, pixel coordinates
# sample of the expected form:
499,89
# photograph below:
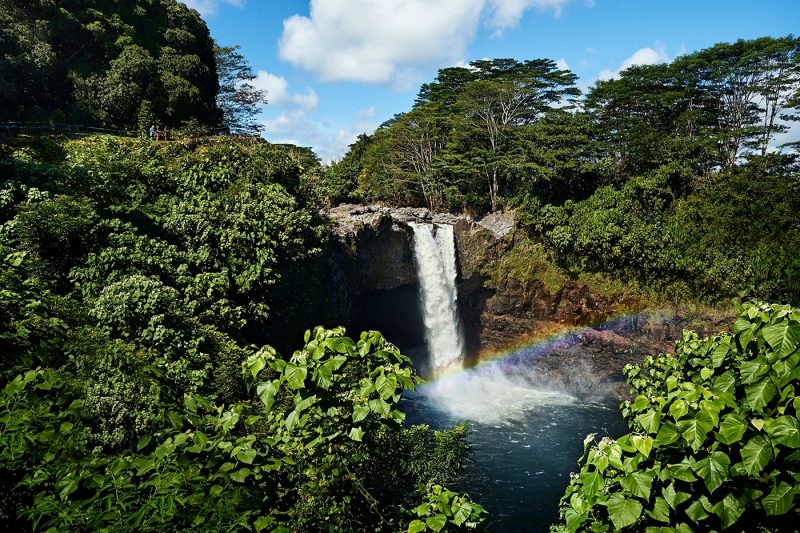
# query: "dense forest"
139,283
650,176
121,65
160,367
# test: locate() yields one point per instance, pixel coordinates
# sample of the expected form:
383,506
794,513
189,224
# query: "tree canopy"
237,100
619,181
102,63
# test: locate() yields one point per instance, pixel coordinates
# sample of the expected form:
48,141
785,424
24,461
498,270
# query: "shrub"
714,441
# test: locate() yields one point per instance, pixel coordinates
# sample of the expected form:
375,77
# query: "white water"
490,393
435,255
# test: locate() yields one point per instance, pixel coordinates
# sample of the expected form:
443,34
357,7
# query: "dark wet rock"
372,248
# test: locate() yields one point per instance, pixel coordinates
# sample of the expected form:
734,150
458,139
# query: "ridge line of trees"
479,138
121,65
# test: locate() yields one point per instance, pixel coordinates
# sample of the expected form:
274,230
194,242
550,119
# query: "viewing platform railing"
71,130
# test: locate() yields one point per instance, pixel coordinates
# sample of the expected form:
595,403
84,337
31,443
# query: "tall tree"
781,70
94,61
238,99
751,83
508,93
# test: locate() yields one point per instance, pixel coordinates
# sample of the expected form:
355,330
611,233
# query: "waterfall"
435,255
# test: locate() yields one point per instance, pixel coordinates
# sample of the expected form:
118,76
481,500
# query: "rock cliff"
373,254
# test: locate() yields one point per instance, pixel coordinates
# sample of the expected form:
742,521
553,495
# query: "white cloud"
209,7
507,13
329,143
642,56
278,91
369,41
366,113
562,64
387,41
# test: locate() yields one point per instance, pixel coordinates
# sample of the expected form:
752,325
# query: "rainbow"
538,343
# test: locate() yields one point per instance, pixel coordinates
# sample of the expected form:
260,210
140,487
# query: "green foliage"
298,457
714,436
98,63
136,281
661,177
621,230
463,134
442,508
238,100
640,231
528,262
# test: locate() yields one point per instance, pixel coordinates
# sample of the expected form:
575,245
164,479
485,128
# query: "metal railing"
71,130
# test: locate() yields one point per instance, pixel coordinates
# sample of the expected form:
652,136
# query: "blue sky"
337,68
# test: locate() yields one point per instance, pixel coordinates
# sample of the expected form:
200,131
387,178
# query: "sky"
336,68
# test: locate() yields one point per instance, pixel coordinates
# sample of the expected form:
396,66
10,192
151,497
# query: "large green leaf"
638,484
385,385
780,500
622,511
356,434
436,522
593,483
247,456
682,471
416,526
267,390
720,352
784,430
678,409
695,429
782,337
696,511
751,371
674,497
755,455
667,434
649,420
360,412
731,429
660,511
713,470
241,475
728,509
295,375
643,444
759,394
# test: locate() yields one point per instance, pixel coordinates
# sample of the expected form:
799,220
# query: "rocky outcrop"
372,248
374,245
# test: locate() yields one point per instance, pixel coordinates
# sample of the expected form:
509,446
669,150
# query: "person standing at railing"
166,133
152,132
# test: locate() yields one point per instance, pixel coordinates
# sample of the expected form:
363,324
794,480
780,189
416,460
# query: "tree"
238,100
340,180
747,80
93,62
713,441
508,94
781,70
650,116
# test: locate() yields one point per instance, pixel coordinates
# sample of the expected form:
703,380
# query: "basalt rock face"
373,245
373,251
372,248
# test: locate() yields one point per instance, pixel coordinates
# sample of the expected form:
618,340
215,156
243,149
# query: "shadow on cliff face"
397,315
